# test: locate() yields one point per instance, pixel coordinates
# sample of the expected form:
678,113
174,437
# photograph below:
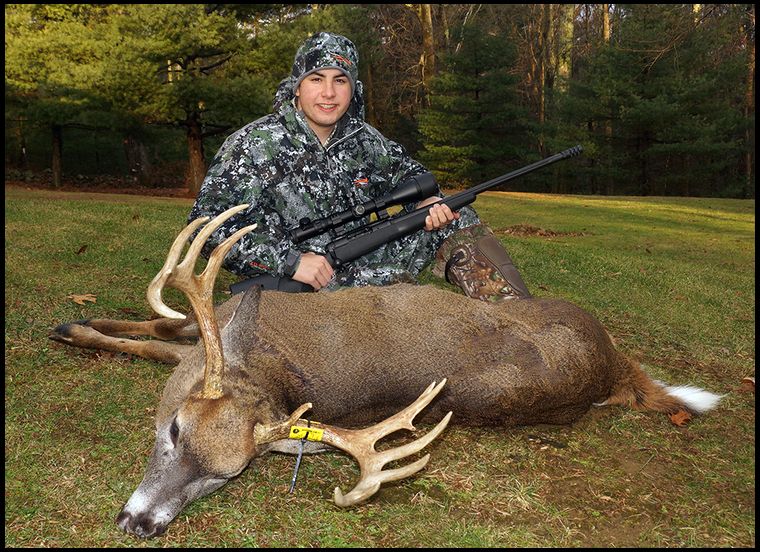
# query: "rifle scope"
415,188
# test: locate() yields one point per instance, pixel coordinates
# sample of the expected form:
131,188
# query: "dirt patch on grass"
529,230
68,188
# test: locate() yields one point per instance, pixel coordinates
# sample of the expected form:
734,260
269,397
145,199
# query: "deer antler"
198,289
360,443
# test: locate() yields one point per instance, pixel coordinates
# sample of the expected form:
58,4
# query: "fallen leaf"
82,250
545,441
748,385
680,418
80,299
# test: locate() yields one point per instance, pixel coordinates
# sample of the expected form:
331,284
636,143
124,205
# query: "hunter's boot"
475,260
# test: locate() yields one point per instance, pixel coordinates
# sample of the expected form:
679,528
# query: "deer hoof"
71,333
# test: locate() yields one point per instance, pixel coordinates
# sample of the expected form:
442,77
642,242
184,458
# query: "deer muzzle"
141,525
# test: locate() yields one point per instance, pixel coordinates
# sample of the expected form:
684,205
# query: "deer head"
220,426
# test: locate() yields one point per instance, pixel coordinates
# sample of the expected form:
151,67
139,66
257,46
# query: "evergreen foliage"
669,97
660,95
475,127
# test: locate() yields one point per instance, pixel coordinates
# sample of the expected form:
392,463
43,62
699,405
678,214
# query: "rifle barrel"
347,249
455,201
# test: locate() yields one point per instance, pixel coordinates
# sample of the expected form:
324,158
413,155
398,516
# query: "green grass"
672,279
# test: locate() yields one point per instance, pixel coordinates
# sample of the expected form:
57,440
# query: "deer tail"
639,391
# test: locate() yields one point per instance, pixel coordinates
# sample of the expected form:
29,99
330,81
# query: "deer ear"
242,323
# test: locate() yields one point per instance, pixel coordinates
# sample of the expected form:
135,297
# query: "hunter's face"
324,96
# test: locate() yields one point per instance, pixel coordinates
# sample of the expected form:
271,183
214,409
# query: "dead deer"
352,357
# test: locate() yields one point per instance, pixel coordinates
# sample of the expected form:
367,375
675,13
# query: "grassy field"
672,279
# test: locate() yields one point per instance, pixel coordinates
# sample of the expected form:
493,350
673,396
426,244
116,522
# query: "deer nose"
141,525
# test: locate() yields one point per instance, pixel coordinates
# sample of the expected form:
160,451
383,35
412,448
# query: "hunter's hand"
440,215
313,270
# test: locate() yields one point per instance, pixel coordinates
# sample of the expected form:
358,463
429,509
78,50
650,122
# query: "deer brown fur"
360,355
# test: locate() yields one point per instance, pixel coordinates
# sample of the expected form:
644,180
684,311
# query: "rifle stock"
267,281
372,236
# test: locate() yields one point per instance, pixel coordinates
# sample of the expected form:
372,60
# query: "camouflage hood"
326,51
323,51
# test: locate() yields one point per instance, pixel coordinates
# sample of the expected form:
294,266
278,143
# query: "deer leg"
162,328
86,336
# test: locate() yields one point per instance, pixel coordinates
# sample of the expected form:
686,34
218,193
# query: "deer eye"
174,432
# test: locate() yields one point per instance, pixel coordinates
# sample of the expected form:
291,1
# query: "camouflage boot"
475,260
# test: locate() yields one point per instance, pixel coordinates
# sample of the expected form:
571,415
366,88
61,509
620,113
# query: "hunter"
313,156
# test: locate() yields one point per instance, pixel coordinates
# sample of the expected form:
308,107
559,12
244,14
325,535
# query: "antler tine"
157,284
195,248
183,272
416,445
373,475
360,443
199,290
403,419
266,433
217,257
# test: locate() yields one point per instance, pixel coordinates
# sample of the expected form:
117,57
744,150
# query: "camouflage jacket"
278,166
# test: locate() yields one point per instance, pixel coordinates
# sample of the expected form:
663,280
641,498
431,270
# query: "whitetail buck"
353,357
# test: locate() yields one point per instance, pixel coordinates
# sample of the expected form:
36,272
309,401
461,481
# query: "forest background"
661,97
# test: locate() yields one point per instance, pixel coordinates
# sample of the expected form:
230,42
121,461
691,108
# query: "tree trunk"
543,64
56,161
196,170
606,23
575,40
21,159
563,45
427,58
749,106
609,188
593,165
645,186
138,163
369,98
446,28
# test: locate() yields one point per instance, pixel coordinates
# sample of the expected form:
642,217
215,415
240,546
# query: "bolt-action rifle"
365,239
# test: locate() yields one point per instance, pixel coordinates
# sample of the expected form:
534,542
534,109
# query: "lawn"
671,278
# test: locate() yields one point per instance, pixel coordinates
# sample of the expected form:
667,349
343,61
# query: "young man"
314,156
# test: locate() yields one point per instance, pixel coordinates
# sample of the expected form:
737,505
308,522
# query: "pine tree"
668,84
475,128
